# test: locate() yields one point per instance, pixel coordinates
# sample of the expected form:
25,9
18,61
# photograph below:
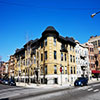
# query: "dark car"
5,82
1,81
81,81
12,82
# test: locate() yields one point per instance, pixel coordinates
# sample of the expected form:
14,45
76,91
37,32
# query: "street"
81,93
7,90
90,92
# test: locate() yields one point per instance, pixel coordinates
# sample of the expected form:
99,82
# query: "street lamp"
95,14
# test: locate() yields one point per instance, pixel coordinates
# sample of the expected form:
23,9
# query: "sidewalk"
32,85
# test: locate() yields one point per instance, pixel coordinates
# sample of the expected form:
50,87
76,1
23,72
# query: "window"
54,41
98,43
55,69
95,44
28,61
63,46
65,57
74,59
70,48
18,63
92,57
65,69
45,42
71,70
31,60
45,55
74,70
61,56
91,50
76,50
62,70
41,70
34,60
28,50
24,62
73,49
45,70
37,54
70,58
41,57
41,44
55,55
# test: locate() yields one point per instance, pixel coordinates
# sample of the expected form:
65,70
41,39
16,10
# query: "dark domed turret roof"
50,29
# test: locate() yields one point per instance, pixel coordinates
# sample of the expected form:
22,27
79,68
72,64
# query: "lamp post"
95,14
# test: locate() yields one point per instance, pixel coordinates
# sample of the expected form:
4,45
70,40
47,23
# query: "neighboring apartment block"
10,65
91,55
40,59
2,69
95,40
82,60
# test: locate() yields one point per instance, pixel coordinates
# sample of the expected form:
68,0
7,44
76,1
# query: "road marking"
84,88
96,84
90,89
96,90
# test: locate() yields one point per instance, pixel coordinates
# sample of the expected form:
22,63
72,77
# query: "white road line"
84,88
90,89
96,90
96,84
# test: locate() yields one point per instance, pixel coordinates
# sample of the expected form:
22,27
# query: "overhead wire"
48,7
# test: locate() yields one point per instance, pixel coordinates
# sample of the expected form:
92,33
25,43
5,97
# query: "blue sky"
22,18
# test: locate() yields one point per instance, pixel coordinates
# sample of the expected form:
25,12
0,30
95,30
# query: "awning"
95,71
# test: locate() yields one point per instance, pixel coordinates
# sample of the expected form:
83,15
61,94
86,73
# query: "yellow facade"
35,62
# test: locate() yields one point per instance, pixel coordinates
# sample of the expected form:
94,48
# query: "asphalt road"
2,87
91,92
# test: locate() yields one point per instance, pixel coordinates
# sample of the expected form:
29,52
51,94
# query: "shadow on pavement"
4,99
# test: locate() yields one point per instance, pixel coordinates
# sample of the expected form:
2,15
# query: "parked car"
81,81
12,82
1,81
5,82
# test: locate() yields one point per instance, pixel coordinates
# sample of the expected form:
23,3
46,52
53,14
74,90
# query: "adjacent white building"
82,60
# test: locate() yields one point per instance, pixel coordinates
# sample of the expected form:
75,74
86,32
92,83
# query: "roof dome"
50,29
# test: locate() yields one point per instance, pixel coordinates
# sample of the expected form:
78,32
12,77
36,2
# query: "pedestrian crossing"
90,88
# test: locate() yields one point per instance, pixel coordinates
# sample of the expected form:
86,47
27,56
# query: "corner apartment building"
40,59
